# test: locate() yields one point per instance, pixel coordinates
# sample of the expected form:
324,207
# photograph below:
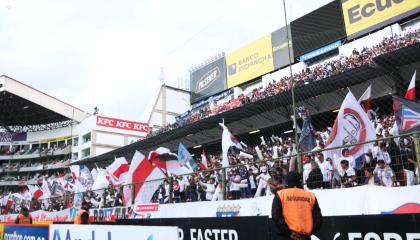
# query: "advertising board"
378,227
111,232
280,47
32,232
318,28
363,16
208,80
12,137
241,228
121,124
320,51
250,61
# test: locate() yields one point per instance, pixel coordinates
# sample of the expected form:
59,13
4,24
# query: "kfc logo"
121,124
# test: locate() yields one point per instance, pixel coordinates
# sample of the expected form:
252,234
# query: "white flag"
351,126
228,140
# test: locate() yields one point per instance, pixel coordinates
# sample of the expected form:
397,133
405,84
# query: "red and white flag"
164,159
365,100
75,171
118,168
351,126
228,140
35,191
411,91
145,177
159,157
203,164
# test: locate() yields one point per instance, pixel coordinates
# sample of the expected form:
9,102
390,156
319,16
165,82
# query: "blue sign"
37,232
320,51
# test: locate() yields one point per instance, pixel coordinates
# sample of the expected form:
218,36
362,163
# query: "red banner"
122,124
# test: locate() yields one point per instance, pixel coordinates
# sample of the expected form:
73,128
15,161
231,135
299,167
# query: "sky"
110,53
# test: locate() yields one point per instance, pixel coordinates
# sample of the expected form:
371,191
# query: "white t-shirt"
383,155
385,175
306,170
326,168
350,172
352,162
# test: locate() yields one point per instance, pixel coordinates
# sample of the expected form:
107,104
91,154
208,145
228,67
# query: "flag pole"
300,166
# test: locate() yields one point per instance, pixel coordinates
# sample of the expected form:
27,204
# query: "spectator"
385,174
347,174
326,170
315,178
370,178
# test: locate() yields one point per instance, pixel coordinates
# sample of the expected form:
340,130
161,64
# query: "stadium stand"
260,117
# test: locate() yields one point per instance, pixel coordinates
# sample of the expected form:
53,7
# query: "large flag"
185,158
164,159
75,171
101,182
411,91
228,140
407,115
352,126
307,140
46,192
35,191
118,168
85,178
159,156
203,164
365,100
79,189
146,177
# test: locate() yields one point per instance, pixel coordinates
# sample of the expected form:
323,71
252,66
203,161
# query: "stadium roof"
22,105
275,110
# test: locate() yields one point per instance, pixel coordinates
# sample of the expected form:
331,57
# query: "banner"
249,62
1,231
208,80
110,214
378,227
65,215
108,232
357,201
12,137
280,47
242,228
363,16
320,51
122,124
36,232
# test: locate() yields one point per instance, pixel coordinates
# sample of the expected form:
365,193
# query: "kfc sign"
122,124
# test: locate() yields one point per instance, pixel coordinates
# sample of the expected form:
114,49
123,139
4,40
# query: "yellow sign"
1,231
363,16
250,61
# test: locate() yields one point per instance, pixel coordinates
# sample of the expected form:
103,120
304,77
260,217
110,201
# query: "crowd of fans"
318,72
258,171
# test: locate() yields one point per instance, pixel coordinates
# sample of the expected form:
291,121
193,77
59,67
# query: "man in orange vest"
82,216
24,217
295,211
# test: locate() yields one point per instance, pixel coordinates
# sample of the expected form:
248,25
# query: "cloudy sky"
110,53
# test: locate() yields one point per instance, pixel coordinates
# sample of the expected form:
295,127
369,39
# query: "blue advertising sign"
34,232
320,51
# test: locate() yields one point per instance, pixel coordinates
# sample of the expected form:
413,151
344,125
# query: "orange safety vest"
297,205
78,217
24,220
